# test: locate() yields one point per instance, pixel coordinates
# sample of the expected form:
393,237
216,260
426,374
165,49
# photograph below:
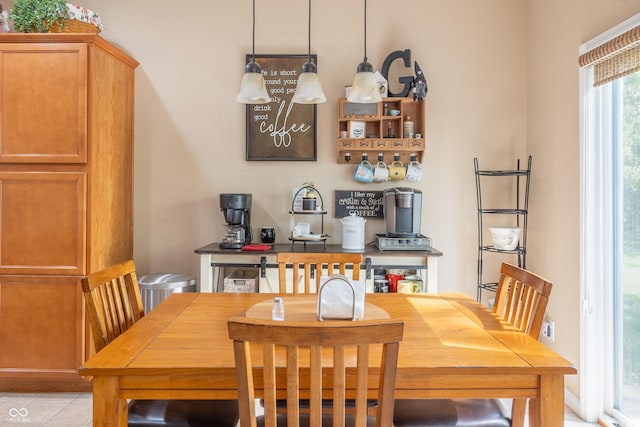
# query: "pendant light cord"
253,38
309,48
365,30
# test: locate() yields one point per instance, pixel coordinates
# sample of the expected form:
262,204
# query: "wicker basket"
74,26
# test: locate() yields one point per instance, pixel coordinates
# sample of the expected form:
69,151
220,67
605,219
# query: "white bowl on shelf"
505,238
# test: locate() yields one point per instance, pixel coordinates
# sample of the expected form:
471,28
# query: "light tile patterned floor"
571,419
45,409
74,410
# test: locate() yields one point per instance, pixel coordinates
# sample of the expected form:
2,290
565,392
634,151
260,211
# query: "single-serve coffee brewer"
402,214
236,209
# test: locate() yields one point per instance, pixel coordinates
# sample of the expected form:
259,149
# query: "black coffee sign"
281,129
367,204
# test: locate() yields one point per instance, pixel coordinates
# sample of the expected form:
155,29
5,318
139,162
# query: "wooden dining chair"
114,304
521,300
312,266
314,262
336,357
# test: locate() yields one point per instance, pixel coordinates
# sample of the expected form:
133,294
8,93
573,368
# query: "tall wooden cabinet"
66,166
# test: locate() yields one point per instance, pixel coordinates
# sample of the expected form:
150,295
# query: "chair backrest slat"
522,298
113,301
306,346
318,262
363,385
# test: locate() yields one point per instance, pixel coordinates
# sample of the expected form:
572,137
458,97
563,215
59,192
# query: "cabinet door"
43,103
42,222
41,322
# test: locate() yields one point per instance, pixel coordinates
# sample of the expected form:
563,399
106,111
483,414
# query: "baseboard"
572,402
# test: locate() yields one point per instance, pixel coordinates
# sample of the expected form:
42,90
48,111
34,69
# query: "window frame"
597,245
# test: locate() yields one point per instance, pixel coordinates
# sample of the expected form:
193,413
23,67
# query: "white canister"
353,232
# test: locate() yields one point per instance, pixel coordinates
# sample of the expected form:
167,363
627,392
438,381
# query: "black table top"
313,247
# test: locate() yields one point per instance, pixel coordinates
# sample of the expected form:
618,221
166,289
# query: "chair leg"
517,412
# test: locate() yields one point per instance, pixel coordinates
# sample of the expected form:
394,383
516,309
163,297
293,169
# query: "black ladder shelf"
519,211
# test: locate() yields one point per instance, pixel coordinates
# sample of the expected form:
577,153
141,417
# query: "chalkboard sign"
281,129
367,204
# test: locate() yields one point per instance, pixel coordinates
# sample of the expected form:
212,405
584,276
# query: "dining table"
453,347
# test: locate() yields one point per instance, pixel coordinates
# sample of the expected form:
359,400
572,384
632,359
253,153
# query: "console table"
214,260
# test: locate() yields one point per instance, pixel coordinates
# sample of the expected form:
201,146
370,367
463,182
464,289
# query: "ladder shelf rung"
516,172
518,250
503,211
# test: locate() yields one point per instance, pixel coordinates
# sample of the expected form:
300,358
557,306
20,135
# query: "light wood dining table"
452,347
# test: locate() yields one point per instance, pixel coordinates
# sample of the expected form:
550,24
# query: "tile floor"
74,410
45,409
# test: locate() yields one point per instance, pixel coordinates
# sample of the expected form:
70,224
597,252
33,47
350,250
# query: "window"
610,226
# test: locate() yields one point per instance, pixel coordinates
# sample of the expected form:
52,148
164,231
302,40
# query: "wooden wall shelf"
371,129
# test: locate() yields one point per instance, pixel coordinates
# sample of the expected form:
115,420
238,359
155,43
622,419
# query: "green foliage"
631,230
631,166
38,15
631,340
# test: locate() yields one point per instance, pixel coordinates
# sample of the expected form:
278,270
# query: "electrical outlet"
549,329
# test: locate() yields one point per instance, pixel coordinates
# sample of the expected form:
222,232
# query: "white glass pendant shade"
253,90
309,90
364,88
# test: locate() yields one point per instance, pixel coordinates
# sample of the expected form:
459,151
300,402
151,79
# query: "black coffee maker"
236,209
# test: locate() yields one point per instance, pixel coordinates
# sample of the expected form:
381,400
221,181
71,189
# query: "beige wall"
556,31
190,139
503,83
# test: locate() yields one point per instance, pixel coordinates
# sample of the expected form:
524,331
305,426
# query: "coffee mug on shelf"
414,171
364,172
302,229
397,170
381,172
267,234
392,280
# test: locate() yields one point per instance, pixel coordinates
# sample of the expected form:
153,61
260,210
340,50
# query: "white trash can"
154,288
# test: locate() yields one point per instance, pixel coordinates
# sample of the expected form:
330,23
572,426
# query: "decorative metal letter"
406,80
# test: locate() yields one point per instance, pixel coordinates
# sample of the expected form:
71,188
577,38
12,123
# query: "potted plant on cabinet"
38,15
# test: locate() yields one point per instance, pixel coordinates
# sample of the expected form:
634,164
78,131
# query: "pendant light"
253,89
364,88
309,89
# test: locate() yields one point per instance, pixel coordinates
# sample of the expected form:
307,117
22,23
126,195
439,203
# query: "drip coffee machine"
236,209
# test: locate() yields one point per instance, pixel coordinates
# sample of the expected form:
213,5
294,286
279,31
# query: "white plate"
312,237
